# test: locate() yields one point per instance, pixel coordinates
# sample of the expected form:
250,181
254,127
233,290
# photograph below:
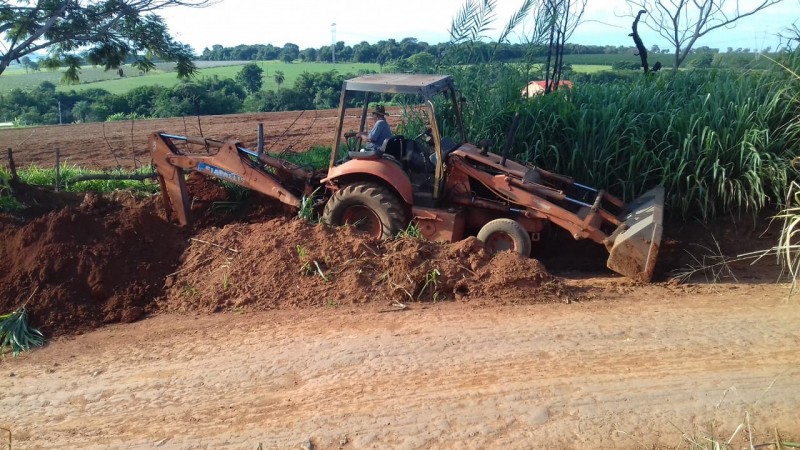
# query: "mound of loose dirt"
283,263
80,267
100,260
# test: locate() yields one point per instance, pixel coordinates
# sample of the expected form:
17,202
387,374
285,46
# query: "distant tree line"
387,51
214,95
44,105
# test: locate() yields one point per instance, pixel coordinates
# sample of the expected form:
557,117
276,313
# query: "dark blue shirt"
379,133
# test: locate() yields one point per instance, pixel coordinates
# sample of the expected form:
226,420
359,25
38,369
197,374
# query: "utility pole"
59,113
333,42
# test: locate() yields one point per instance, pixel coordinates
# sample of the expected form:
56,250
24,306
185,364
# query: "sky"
309,23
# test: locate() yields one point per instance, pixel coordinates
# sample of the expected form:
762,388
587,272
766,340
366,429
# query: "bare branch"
684,22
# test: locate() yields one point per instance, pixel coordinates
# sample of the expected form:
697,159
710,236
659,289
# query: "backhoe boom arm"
229,163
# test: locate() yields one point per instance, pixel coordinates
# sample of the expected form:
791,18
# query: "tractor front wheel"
505,234
369,207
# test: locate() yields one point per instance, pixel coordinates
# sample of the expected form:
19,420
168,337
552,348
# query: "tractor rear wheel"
369,207
505,234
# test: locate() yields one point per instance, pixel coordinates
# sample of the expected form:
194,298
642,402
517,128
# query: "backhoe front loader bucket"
634,245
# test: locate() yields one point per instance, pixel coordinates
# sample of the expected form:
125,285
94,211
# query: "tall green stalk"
719,141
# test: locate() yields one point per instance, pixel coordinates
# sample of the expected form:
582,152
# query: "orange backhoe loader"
448,187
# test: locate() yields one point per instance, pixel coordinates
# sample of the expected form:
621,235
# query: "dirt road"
635,367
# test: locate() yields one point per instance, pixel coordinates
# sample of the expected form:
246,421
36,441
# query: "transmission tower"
333,42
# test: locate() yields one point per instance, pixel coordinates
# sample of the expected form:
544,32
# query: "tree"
279,77
81,110
250,77
308,54
564,16
683,22
108,31
702,61
29,64
289,53
363,52
422,62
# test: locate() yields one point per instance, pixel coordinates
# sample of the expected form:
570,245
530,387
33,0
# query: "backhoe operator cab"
421,155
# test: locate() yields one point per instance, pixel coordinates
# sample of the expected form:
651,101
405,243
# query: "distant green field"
752,60
589,68
97,78
581,68
17,77
599,59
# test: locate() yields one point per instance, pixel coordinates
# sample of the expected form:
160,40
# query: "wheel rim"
364,220
499,242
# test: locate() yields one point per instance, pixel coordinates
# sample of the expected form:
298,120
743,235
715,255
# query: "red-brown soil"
112,259
488,352
103,261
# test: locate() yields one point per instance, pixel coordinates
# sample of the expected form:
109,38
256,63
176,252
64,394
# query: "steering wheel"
428,131
426,136
349,135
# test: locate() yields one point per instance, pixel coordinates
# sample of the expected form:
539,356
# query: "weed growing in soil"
305,261
712,441
7,202
412,230
306,211
10,204
190,291
235,192
310,266
432,281
16,334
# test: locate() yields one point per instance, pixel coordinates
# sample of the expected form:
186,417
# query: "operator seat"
391,149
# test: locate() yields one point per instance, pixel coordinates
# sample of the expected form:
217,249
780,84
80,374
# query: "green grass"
317,157
97,78
603,59
17,77
752,60
36,176
589,68
7,202
580,68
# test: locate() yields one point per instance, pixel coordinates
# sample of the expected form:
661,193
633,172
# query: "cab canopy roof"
400,83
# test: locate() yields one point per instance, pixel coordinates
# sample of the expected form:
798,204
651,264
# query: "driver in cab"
380,130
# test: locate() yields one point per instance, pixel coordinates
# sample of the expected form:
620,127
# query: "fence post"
12,166
58,167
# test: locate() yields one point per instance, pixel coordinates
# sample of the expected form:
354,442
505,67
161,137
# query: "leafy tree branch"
108,31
